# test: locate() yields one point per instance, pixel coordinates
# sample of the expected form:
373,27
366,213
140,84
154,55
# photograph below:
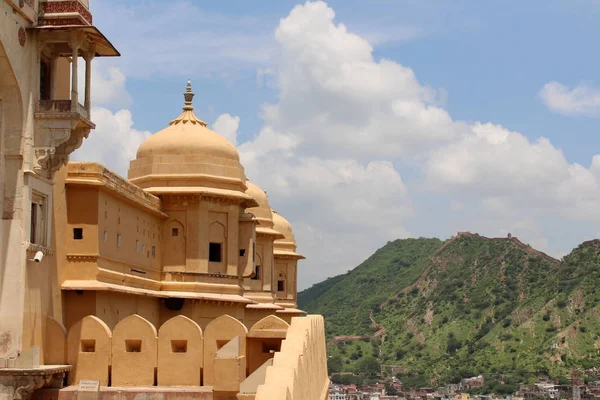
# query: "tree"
369,367
335,365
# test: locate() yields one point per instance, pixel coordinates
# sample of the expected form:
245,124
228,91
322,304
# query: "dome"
282,225
287,245
262,214
187,157
188,135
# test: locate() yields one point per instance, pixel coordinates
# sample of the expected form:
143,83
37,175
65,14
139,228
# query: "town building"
179,281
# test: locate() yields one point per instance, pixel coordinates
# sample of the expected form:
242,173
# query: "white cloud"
114,129
180,36
582,99
507,172
227,126
108,86
341,101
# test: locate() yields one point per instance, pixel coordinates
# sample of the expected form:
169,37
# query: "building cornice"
94,174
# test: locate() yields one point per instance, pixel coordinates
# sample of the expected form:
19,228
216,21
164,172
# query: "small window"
256,273
105,214
179,346
133,346
280,285
88,346
77,233
214,252
105,236
271,347
119,220
242,252
118,240
143,249
137,246
175,232
153,252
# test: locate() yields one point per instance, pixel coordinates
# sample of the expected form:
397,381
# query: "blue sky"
531,68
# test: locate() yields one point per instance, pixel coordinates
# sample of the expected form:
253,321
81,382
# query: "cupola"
187,157
287,245
262,214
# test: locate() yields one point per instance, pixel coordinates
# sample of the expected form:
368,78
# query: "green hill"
469,306
346,300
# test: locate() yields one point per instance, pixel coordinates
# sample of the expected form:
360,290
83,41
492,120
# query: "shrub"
546,317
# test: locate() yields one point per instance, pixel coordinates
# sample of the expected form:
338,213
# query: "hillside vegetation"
346,300
467,307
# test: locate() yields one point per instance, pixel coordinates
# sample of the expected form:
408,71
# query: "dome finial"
188,95
188,115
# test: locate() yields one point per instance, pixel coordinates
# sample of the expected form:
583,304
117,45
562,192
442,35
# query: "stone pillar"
40,45
74,43
89,56
53,68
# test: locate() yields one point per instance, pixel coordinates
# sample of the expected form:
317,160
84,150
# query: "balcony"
62,107
65,13
61,123
60,128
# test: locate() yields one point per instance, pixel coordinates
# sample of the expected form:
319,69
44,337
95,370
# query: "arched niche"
134,352
180,352
264,340
89,350
174,254
217,334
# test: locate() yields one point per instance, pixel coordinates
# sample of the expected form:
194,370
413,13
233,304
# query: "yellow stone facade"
179,281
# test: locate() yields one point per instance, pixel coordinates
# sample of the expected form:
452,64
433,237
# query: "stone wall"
299,370
180,353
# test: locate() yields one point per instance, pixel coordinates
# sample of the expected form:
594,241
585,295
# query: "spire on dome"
188,96
188,114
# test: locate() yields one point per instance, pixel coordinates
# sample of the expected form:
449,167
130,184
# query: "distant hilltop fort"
516,241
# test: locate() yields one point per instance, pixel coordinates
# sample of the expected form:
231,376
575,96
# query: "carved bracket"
42,157
51,159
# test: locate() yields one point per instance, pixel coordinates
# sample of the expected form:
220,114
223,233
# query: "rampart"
225,356
513,239
299,370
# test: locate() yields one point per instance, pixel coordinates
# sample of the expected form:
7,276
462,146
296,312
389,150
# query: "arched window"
217,247
281,283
